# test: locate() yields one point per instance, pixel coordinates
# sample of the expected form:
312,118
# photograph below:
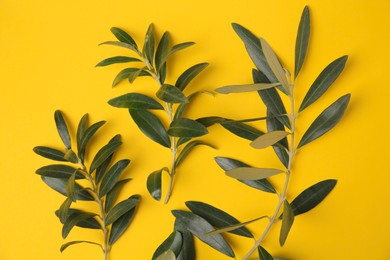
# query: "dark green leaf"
148,49
234,227
287,222
66,245
323,81
249,173
312,196
326,120
122,36
73,220
179,47
115,60
60,184
121,44
121,208
163,73
63,211
242,130
58,171
302,40
171,94
184,127
162,51
211,120
86,137
151,126
274,124
122,223
90,223
187,251
111,177
103,154
101,170
49,153
199,226
70,156
187,149
127,73
189,75
229,164
173,242
183,140
111,195
62,128
70,187
217,217
263,254
83,124
154,183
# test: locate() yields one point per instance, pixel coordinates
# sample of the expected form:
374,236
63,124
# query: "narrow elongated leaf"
199,226
63,211
263,254
174,243
167,255
188,148
242,130
154,183
253,47
217,218
268,139
211,120
234,227
82,126
148,49
326,120
111,177
73,219
302,40
229,164
116,60
71,156
60,184
179,47
121,208
123,36
182,140
103,154
70,187
171,94
274,124
87,136
312,196
134,75
184,127
66,245
58,171
151,126
112,194
162,51
123,222
287,222
245,88
101,170
323,81
187,76
249,173
62,128
127,73
49,153
135,101
187,251
90,223
120,44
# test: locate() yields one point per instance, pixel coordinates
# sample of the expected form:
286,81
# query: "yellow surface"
48,50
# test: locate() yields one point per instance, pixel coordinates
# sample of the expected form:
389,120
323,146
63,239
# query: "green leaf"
268,139
154,183
199,226
245,88
101,170
103,154
121,44
73,219
90,223
66,245
127,73
188,148
287,222
148,49
82,126
187,76
234,227
121,208
110,178
86,138
274,124
162,51
323,81
173,242
60,184
167,255
312,196
326,120
151,126
171,94
70,187
70,156
242,130
211,120
111,195
217,218
179,47
122,36
62,128
263,254
184,127
253,47
187,251
249,173
229,164
302,40
63,211
116,60
49,153
58,171
122,223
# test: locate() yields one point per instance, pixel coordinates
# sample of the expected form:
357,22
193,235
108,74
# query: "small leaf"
312,196
127,73
173,242
188,148
86,137
199,226
60,184
90,223
245,88
103,154
63,211
135,101
58,171
217,218
184,127
62,128
148,49
179,47
111,177
171,94
151,126
49,153
119,209
249,173
234,227
323,81
66,245
116,60
121,44
187,76
326,120
263,254
162,51
73,219
273,124
302,40
183,140
211,120
187,250
122,36
167,255
111,195
70,187
242,130
101,170
154,183
268,139
82,126
287,222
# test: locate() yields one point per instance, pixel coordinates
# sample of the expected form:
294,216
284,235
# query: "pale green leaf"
268,139
249,173
245,88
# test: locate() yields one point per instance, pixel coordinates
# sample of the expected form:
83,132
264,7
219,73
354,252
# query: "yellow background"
48,50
